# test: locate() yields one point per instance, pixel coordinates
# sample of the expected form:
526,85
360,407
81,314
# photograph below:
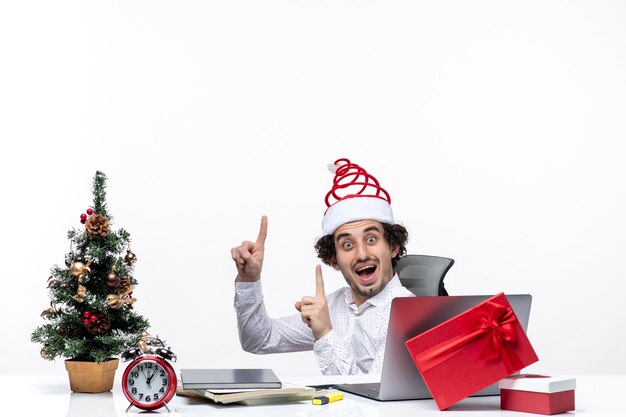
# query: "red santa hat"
355,195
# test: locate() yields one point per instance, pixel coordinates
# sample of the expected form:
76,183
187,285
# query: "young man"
346,329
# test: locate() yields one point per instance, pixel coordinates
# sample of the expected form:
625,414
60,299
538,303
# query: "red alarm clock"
149,381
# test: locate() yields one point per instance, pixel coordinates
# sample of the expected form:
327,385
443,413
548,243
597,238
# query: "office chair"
424,274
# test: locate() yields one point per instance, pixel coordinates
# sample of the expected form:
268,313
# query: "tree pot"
91,377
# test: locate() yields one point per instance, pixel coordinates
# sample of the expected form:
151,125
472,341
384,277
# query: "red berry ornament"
83,221
83,216
90,211
93,318
86,314
86,322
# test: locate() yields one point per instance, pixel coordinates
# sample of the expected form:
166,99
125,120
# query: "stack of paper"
245,386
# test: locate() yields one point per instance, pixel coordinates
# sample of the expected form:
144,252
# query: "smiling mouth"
366,273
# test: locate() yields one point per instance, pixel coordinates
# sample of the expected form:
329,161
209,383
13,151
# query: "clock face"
149,382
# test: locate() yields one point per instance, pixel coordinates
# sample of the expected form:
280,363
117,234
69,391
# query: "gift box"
471,351
539,394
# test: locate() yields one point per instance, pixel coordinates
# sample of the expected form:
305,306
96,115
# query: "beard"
368,291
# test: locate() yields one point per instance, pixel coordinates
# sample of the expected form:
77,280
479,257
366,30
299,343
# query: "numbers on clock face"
147,382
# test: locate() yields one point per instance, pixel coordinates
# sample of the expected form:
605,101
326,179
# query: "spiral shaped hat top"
354,195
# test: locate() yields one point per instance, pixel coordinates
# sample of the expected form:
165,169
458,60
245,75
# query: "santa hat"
355,195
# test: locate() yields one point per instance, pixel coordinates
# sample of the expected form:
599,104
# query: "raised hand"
314,310
248,256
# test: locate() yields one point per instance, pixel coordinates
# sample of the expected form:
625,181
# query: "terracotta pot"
91,377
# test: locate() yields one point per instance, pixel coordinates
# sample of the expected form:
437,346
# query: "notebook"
409,316
217,378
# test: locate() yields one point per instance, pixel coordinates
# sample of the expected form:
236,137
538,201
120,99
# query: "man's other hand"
314,310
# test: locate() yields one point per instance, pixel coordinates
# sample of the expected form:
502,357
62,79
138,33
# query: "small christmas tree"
91,316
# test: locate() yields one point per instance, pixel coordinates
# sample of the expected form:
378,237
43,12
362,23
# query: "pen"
328,398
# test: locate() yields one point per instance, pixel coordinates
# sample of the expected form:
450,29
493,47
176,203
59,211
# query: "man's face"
364,257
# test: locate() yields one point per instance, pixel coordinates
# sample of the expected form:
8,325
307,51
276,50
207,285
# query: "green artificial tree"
91,316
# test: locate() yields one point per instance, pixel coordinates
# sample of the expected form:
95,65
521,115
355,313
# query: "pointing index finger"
319,282
262,231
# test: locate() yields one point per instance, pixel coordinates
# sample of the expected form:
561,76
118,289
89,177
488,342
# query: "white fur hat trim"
356,208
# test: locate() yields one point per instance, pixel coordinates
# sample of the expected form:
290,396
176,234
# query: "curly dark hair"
395,234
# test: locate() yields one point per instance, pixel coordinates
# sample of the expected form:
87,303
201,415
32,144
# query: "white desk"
596,395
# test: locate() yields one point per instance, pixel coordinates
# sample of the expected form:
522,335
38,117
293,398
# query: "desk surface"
596,395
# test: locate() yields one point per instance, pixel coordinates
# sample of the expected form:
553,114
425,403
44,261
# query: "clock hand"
149,379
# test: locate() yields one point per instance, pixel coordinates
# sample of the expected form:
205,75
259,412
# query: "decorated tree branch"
91,315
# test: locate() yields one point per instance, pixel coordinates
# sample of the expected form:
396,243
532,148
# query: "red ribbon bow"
496,324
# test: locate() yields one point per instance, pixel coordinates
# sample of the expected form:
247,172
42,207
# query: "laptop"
410,316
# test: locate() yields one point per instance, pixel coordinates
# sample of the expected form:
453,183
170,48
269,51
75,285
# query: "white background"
497,127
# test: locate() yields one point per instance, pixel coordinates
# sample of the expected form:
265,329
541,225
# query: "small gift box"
471,351
538,394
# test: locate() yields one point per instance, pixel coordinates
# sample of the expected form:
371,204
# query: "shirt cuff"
248,292
324,352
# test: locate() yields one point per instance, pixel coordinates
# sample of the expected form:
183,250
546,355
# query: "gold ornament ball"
131,258
45,354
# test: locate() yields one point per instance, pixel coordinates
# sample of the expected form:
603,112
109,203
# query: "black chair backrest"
424,274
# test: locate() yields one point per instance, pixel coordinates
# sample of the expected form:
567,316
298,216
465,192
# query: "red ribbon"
496,325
